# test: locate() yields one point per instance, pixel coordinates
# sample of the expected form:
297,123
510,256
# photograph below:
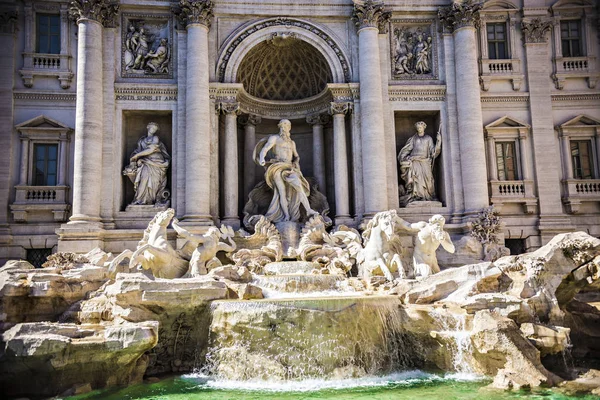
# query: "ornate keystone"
534,31
250,119
317,119
194,12
340,108
103,11
459,15
371,14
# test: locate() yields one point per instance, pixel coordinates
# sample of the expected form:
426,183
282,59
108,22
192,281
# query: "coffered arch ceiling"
284,68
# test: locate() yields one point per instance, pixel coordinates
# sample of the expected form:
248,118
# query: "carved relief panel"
413,46
146,46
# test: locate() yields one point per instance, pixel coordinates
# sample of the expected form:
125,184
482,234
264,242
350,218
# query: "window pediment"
507,127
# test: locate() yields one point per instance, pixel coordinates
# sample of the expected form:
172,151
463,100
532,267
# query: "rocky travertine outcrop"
179,305
30,295
522,307
62,357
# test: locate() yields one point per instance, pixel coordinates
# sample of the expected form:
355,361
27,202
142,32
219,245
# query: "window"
496,39
581,157
570,34
45,164
506,161
48,34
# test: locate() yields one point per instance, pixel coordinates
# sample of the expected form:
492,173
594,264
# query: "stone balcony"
508,69
575,67
519,192
35,64
30,200
578,191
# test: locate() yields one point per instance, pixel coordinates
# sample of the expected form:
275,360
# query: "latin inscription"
129,97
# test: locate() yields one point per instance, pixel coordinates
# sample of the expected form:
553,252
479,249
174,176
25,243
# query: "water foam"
404,378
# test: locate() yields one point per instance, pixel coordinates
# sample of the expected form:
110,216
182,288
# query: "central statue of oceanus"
285,195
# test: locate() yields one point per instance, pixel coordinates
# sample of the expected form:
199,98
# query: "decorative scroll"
103,11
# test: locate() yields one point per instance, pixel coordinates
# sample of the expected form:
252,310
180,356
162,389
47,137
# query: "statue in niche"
416,160
277,153
145,52
148,170
413,52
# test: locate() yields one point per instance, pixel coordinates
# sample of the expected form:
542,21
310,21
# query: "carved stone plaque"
414,50
146,46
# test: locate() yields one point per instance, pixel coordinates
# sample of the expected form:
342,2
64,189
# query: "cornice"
45,96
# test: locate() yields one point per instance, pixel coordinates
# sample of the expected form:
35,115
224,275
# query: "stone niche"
147,46
134,127
404,123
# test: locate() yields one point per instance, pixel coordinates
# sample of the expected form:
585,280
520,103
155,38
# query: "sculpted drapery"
148,169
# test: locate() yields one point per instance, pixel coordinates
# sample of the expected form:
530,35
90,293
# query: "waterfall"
307,338
453,327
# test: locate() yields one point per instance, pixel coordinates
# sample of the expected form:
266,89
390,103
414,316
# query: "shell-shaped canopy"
284,68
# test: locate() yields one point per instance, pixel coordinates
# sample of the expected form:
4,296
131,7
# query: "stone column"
566,151
62,165
90,15
231,167
546,151
197,16
317,121
524,153
24,161
461,18
249,122
340,163
492,167
369,16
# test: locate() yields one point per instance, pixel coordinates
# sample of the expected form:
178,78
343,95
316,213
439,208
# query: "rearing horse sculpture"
382,249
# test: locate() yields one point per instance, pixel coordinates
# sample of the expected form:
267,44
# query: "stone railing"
513,192
578,191
499,70
46,61
575,67
52,199
37,64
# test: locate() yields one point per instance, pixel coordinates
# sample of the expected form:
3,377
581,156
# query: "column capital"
103,11
229,107
460,15
371,14
534,30
317,119
250,119
8,21
340,108
192,12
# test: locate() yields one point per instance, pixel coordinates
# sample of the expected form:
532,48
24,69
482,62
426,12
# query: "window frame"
515,159
47,160
570,39
38,18
494,42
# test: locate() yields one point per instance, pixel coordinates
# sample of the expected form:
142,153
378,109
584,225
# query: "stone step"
290,267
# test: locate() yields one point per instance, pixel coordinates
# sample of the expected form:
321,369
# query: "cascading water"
293,339
454,328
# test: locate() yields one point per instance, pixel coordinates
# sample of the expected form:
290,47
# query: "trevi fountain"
288,304
323,279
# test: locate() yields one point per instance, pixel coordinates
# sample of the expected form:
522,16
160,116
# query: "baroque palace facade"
507,90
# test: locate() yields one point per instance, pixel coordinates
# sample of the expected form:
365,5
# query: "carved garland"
371,15
281,21
534,31
103,11
459,15
194,12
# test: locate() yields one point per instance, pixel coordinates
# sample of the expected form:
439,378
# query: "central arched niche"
283,69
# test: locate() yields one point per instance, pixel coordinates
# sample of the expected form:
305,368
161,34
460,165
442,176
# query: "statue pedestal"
144,211
424,204
290,237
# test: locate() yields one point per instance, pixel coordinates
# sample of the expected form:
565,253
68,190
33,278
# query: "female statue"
148,169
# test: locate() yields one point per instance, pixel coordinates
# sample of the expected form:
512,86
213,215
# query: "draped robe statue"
277,153
148,169
416,165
